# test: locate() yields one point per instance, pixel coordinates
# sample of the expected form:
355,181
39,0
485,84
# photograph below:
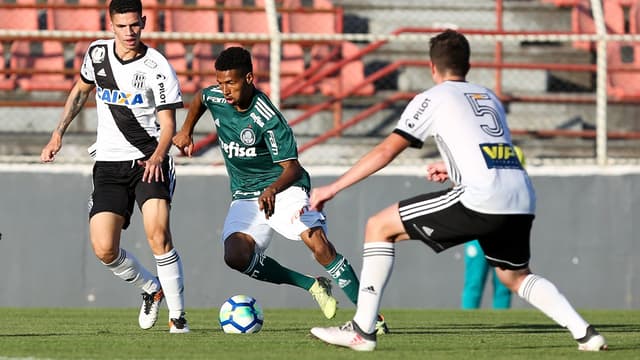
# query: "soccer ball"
241,314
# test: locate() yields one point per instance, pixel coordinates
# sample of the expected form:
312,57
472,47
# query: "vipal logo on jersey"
500,156
117,97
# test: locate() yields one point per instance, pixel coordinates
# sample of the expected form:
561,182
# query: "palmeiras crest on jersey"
138,80
247,136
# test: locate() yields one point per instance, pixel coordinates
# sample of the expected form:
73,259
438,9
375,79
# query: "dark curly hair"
235,58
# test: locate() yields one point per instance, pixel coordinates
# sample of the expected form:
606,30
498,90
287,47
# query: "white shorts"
290,219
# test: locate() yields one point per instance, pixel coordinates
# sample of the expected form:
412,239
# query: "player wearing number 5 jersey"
269,187
491,199
137,94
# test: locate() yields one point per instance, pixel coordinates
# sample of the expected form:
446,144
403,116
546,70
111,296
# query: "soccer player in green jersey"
269,187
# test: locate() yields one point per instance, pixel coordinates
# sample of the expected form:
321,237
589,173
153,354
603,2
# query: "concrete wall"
584,240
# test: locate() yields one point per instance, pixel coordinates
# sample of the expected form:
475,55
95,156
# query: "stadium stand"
204,58
634,17
180,59
624,75
194,16
45,56
250,21
7,81
308,20
583,23
24,18
76,18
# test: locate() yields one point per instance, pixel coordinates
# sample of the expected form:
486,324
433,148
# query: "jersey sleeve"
416,120
86,69
280,141
166,88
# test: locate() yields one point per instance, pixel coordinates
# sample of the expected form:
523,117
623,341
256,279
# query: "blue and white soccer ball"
241,314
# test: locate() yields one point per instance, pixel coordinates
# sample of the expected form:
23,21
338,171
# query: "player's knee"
375,228
107,256
237,260
323,250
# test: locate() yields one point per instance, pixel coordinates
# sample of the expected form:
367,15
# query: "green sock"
343,275
267,269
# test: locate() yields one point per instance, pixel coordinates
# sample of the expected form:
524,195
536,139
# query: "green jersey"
252,143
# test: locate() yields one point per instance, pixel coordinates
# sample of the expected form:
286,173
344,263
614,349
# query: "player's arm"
376,159
291,172
75,102
437,172
153,165
183,139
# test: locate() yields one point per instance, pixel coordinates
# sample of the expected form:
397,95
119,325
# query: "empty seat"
78,18
204,59
255,21
349,77
315,17
623,79
246,21
176,54
634,17
43,64
19,18
7,81
198,20
582,21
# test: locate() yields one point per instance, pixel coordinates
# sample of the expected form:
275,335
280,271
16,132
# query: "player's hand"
50,150
184,142
437,172
267,201
319,196
152,169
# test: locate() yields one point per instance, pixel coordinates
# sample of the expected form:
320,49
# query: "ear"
143,21
249,78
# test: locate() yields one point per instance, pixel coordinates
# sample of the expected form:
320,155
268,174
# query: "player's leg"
246,236
382,230
475,275
155,216
104,231
433,218
242,254
501,293
508,250
543,294
336,265
109,213
154,199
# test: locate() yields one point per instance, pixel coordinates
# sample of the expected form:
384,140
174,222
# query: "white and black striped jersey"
128,96
468,124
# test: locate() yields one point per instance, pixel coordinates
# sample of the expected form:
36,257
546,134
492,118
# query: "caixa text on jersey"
117,97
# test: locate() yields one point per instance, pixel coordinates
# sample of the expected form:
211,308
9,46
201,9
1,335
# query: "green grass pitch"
32,334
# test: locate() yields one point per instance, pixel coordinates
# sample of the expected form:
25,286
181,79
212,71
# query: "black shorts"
441,221
118,184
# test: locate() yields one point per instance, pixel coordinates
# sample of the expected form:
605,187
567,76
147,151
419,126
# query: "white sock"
129,269
171,278
377,263
542,294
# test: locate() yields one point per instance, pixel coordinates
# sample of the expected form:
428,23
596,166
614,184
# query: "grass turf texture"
32,334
